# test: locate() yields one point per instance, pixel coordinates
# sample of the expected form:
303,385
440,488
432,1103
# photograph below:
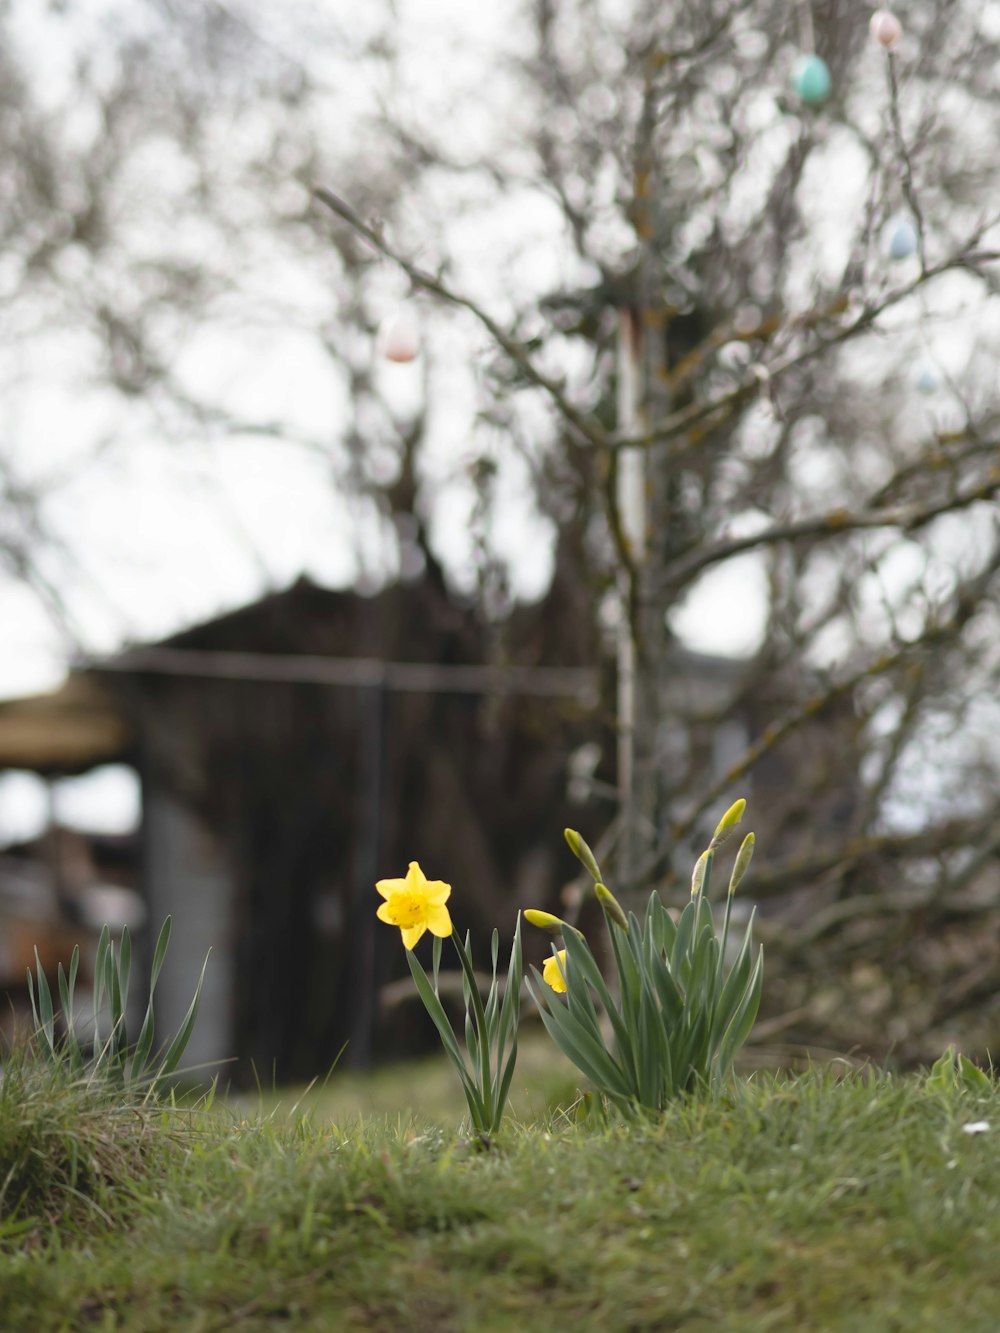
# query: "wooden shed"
293,751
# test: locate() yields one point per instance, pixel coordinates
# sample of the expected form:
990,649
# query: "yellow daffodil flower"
415,904
551,974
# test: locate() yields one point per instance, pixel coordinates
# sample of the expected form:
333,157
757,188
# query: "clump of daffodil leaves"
417,904
677,1019
680,1014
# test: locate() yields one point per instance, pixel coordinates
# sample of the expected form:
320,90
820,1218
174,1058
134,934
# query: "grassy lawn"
808,1203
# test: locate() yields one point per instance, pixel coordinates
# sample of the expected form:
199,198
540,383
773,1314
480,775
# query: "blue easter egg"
811,80
902,240
926,381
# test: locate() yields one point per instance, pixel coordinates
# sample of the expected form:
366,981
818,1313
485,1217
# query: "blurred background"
619,436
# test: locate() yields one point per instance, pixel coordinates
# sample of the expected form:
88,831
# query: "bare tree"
787,322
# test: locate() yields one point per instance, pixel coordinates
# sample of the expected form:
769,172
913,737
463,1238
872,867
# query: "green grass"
427,1088
809,1203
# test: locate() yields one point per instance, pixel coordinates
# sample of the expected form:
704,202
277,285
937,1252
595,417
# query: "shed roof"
70,730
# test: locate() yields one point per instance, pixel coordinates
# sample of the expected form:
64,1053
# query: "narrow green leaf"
682,940
434,1007
734,987
588,1054
436,948
651,1047
690,1051
629,985
471,1040
671,1003
503,1088
744,1018
510,1008
143,1046
124,971
36,1022
180,1041
578,953
972,1077
159,953
479,1017
704,970
45,1009
112,981
67,1000
492,1009
74,967
660,925
100,977
579,999
706,917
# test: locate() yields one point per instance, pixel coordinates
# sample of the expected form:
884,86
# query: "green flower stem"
725,935
482,1030
721,966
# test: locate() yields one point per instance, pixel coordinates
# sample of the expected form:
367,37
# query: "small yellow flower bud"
544,921
743,859
698,874
583,853
728,823
612,907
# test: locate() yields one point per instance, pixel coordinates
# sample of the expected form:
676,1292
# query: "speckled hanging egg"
811,79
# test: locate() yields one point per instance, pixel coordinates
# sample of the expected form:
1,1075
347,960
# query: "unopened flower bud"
698,874
583,853
743,858
726,825
544,921
612,907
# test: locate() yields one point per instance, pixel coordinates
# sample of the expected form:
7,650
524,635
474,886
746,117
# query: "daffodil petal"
387,887
411,935
553,972
438,920
382,912
437,891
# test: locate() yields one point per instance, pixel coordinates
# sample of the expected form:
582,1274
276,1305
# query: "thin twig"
586,426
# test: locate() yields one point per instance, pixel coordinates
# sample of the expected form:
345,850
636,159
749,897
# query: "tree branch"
585,425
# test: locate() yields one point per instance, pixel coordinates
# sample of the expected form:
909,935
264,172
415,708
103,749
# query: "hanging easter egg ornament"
399,340
811,80
885,29
900,239
926,381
